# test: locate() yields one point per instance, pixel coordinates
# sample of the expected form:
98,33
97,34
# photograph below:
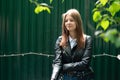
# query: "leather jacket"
67,59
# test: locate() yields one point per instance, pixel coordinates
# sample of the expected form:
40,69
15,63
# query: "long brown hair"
79,29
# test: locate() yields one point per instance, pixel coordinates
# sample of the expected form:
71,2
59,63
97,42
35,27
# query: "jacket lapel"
74,45
67,49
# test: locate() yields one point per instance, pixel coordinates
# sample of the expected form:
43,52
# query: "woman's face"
70,23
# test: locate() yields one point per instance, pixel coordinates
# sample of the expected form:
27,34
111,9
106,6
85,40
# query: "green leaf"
51,1
48,10
39,9
117,42
104,24
103,2
97,16
114,8
95,9
113,31
102,35
111,35
62,1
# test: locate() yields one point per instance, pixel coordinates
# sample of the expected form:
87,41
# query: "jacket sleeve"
81,65
57,62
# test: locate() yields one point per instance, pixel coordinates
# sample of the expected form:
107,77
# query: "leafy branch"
106,15
40,7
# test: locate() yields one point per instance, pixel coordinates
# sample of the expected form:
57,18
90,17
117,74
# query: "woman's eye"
66,20
71,20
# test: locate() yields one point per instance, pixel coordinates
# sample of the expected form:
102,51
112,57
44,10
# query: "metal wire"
48,55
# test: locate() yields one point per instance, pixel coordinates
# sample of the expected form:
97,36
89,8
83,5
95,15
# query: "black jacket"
71,60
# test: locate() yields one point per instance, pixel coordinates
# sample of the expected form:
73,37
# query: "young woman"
72,50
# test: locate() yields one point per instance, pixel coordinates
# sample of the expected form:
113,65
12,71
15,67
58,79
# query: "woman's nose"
68,22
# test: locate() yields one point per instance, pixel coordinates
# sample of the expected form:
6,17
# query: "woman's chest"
72,56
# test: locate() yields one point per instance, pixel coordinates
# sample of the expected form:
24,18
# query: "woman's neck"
72,35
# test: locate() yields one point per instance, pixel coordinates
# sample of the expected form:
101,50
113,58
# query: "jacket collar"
67,48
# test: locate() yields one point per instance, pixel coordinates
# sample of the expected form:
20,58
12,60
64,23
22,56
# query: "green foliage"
41,7
114,8
62,1
51,1
106,10
106,14
97,16
103,2
104,24
111,35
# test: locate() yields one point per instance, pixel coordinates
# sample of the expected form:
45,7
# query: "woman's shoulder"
59,39
88,39
87,36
